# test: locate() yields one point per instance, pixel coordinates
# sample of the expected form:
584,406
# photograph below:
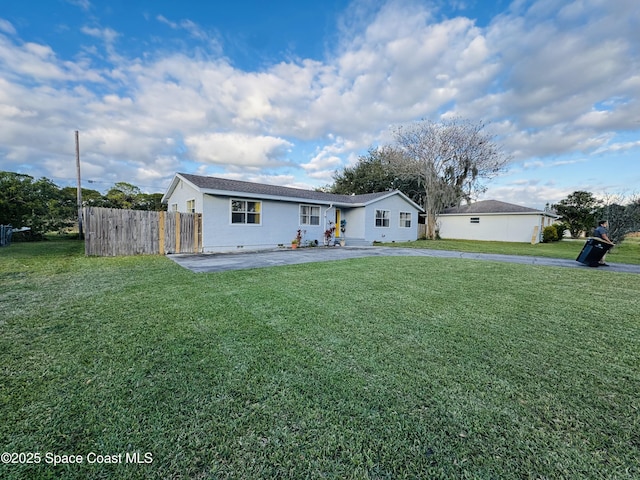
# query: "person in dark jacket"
602,233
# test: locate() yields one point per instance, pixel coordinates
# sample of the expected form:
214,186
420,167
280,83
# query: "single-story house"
244,215
494,220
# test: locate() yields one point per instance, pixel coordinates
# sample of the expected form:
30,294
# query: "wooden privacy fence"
110,232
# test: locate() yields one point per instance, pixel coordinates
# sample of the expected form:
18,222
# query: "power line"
109,184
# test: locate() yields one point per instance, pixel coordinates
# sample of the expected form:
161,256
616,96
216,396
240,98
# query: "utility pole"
81,234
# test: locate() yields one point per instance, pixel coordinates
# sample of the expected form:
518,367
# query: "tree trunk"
430,224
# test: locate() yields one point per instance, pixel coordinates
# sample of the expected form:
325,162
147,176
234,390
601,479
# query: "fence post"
178,232
161,233
195,233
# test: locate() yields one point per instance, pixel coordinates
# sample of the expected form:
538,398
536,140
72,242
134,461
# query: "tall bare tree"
448,160
623,214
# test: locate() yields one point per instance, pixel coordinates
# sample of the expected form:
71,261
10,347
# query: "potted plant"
296,242
343,228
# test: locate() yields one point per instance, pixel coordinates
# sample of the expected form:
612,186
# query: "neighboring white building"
494,220
244,215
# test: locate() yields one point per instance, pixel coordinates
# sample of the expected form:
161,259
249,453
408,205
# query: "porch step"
357,242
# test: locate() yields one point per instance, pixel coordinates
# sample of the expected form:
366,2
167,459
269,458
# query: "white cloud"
121,143
152,172
30,60
166,21
528,195
535,164
190,26
7,27
107,35
557,67
238,149
322,166
551,163
619,147
10,111
210,39
83,4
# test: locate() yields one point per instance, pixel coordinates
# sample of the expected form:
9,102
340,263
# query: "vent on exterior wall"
475,219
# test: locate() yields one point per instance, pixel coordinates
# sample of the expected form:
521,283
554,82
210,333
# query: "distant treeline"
44,207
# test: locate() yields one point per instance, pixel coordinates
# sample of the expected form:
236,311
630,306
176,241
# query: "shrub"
560,229
549,234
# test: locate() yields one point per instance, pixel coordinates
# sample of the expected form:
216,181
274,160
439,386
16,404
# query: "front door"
337,224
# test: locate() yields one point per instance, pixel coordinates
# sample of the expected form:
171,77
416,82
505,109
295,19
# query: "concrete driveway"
220,262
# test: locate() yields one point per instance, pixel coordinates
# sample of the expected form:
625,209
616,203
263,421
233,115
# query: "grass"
626,252
368,368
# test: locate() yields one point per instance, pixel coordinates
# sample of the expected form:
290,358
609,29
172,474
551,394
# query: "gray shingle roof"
237,186
491,206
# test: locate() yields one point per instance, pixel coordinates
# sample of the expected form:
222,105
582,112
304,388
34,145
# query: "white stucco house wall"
244,215
494,220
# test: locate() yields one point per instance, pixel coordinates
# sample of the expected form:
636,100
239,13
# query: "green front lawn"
625,252
368,368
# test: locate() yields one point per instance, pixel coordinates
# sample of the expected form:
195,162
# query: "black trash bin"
593,251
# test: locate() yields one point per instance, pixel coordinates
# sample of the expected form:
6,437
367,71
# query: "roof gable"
213,185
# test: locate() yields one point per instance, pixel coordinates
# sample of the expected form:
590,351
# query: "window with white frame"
246,212
382,218
309,215
191,206
405,219
174,207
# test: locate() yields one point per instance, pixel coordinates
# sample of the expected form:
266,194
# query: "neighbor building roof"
217,185
492,206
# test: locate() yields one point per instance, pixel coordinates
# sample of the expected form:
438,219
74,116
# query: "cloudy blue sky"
286,92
